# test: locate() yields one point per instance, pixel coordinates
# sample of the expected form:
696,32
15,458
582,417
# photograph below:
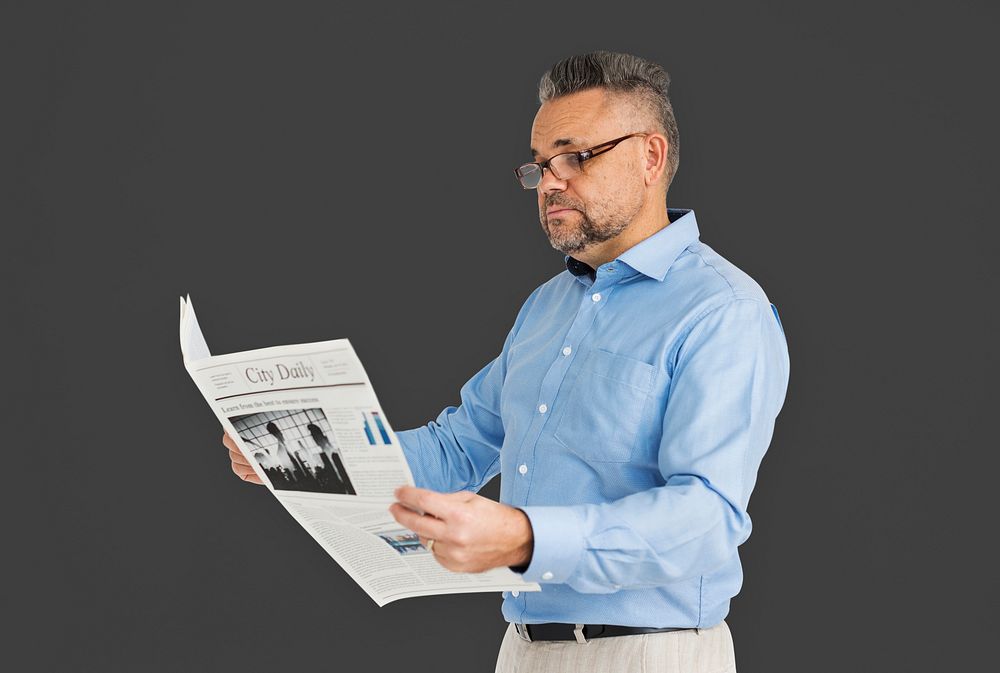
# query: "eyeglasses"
566,165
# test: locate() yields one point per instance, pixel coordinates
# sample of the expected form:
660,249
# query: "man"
627,412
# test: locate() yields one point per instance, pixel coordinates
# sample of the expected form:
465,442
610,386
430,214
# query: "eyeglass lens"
564,166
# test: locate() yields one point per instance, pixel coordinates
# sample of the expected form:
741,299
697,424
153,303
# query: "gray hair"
644,83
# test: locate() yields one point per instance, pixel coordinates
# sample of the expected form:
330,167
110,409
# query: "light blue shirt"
627,414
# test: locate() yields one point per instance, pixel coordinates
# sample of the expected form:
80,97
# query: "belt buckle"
578,632
522,631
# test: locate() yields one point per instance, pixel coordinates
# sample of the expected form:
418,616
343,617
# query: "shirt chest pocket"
601,414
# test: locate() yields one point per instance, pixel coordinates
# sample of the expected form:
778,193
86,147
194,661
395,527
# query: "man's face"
601,201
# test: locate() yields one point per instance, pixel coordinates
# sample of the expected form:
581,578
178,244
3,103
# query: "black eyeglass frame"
581,156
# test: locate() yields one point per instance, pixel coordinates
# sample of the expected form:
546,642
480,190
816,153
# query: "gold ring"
430,546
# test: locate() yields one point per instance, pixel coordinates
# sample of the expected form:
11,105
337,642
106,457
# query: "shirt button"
567,350
546,575
542,408
515,594
596,296
522,468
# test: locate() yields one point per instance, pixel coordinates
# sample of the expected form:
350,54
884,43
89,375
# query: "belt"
581,633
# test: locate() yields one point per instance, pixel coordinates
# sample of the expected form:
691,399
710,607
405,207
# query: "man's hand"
471,533
241,467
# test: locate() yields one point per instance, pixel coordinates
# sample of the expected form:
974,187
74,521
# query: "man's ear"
655,157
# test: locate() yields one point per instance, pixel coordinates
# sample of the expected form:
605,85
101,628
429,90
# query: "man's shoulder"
699,278
710,278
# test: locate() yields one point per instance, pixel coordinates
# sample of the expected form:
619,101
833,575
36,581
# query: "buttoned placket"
595,296
593,299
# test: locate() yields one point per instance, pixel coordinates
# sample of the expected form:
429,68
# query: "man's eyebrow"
561,142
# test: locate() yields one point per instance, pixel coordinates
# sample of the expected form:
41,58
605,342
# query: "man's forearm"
655,537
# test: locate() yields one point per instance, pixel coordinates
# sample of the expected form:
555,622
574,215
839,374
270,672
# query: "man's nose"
550,183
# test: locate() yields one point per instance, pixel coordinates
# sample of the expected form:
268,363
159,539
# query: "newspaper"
306,418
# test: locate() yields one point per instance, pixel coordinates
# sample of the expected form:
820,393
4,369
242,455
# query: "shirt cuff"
558,543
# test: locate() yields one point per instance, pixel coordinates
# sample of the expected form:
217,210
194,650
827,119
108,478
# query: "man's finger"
238,457
437,544
426,526
242,471
425,500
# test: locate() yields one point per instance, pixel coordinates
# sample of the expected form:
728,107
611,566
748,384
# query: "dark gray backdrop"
315,172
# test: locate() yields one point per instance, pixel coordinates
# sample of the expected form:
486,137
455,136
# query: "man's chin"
562,242
566,248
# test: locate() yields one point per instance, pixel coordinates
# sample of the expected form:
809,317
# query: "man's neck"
642,227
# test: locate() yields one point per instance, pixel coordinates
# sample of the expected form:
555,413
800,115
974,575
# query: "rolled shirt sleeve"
729,381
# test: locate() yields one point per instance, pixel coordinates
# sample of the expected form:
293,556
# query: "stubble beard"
577,230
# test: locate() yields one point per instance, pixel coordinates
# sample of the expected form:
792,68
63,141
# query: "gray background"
352,167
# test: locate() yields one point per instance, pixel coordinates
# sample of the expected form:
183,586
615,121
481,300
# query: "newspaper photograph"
307,420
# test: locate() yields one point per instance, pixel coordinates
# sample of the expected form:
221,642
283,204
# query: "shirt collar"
653,255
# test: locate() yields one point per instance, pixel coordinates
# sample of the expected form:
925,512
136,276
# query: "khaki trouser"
691,651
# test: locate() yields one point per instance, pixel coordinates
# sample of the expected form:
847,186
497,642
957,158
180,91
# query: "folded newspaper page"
307,420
